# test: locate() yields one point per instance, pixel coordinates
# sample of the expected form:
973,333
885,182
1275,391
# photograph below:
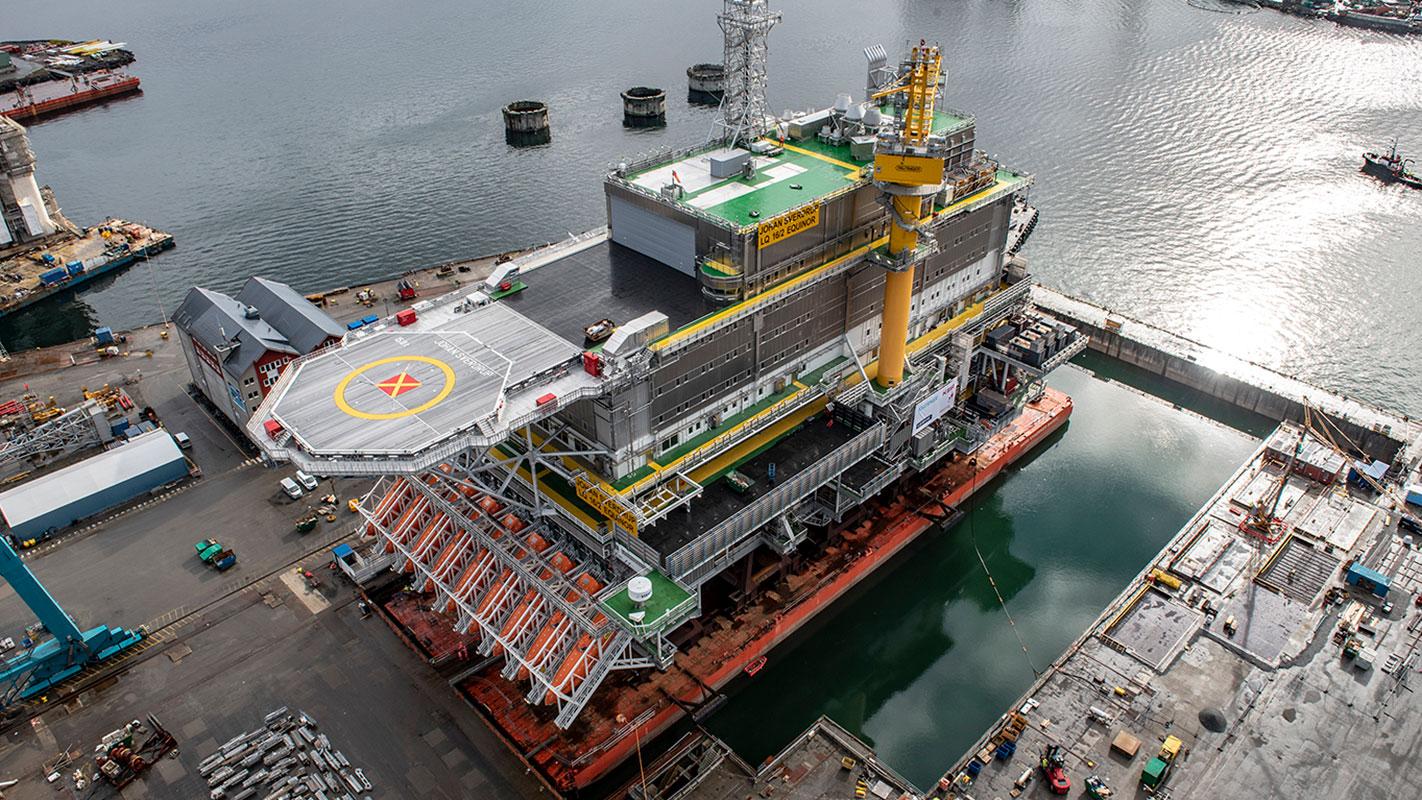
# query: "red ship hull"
625,715
70,100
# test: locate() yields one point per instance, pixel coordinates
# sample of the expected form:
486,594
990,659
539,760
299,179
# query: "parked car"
183,440
292,490
307,481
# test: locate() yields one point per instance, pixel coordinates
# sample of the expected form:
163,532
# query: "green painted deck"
666,596
772,196
827,169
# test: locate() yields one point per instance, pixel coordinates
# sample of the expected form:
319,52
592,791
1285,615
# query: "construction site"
537,514
1270,644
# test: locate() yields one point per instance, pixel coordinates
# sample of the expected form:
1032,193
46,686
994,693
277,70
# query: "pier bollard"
526,123
705,84
644,107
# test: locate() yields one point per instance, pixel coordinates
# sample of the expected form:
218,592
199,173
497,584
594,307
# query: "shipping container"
51,277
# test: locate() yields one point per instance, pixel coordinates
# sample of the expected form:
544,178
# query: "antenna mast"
744,108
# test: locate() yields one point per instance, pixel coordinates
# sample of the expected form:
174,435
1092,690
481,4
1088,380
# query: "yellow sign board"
912,170
787,225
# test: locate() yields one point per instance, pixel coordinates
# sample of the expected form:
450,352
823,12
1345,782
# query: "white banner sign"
930,408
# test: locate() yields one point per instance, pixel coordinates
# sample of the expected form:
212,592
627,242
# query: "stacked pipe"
285,759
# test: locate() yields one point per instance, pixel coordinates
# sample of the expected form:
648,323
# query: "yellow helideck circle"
340,393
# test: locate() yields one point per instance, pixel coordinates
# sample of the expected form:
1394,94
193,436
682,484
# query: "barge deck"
66,261
630,712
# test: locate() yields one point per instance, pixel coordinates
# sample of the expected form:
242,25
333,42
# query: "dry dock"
1234,643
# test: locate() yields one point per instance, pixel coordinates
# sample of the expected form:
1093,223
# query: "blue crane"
69,650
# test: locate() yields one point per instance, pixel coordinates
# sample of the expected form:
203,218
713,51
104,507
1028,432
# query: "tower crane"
66,653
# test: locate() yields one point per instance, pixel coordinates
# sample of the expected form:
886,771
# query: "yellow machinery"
909,168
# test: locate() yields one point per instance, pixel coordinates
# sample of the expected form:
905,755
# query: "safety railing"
702,558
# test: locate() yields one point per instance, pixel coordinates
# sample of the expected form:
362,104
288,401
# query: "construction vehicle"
69,650
1054,768
1158,768
213,554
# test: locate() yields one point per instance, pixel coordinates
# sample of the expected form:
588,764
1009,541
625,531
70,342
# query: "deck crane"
1263,520
66,653
909,166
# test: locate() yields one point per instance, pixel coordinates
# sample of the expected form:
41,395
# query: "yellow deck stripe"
658,468
854,168
740,451
682,333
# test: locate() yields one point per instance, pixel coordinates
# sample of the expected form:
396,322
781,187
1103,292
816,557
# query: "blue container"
974,767
370,320
104,335
1369,580
350,326
74,267
120,426
52,276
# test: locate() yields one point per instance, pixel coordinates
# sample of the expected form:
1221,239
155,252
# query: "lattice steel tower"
746,24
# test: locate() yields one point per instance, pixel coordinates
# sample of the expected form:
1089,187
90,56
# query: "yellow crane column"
909,168
898,294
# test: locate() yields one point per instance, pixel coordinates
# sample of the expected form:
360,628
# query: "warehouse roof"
58,489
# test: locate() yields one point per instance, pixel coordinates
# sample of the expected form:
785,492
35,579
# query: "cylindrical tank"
526,122
644,107
705,84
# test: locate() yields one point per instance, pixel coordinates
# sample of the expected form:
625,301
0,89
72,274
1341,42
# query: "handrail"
691,561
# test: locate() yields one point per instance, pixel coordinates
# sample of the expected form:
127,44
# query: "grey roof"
56,490
221,324
303,324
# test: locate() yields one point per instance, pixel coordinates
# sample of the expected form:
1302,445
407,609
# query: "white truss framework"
524,605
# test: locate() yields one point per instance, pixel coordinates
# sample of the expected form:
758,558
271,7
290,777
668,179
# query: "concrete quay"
1390,437
1234,643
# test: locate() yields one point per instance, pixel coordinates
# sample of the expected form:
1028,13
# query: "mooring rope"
1011,623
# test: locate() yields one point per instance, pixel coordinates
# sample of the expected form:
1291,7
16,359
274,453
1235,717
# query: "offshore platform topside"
807,310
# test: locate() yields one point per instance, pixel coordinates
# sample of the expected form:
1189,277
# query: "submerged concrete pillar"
526,123
705,84
644,107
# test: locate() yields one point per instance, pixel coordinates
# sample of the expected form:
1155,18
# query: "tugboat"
1391,168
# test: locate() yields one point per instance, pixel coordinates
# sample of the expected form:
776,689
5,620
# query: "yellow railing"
608,504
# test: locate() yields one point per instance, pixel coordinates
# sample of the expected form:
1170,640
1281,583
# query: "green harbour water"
920,659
